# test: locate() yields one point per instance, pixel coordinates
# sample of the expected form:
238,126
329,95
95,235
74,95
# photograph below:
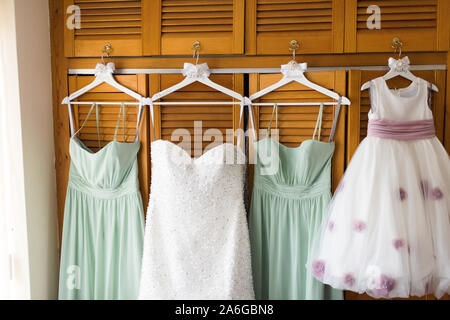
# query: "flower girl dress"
388,226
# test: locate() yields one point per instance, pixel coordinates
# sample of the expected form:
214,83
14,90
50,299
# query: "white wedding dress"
196,244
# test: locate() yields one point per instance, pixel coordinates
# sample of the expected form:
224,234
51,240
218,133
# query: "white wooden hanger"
103,74
400,68
196,73
294,71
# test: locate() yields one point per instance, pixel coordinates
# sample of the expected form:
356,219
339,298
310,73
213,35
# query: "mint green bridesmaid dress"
291,192
103,222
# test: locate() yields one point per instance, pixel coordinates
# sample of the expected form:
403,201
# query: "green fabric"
103,224
286,212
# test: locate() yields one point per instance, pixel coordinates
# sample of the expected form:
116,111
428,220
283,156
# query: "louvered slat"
401,14
313,23
415,22
276,16
213,23
109,18
197,16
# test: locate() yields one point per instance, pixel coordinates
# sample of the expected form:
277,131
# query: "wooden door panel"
116,22
317,25
422,25
218,26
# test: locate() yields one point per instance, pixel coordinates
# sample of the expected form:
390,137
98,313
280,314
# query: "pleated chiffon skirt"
281,233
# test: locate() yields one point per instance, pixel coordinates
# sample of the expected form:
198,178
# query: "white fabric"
406,104
104,71
196,70
400,65
388,228
196,242
293,69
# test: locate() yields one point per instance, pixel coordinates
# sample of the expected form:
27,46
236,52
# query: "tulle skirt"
387,232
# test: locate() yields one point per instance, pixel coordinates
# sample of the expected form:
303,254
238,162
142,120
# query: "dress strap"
274,111
318,123
241,113
121,111
136,139
335,120
72,128
430,94
152,119
85,120
252,121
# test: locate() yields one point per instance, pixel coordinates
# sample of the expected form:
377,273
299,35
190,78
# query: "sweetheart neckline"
92,153
204,154
331,143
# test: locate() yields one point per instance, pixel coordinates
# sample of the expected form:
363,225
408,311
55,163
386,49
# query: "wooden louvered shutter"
116,22
108,116
317,25
169,118
358,112
174,25
422,25
296,123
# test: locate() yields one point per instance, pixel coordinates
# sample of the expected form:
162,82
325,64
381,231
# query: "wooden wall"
239,34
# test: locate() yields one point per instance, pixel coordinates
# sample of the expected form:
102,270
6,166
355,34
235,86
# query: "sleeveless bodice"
214,178
111,170
406,104
294,171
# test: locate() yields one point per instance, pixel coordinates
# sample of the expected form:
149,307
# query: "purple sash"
401,130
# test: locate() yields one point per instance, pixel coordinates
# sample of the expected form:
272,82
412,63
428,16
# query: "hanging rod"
105,103
195,103
258,70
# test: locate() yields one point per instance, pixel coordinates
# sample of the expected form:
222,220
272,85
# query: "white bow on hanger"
399,67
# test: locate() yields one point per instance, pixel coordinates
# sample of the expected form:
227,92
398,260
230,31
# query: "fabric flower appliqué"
385,285
349,280
359,226
437,194
398,243
318,268
331,226
403,194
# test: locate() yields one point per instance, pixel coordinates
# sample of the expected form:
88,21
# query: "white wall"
12,189
33,84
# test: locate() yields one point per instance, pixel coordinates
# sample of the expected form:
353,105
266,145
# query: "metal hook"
196,47
397,44
107,49
293,46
